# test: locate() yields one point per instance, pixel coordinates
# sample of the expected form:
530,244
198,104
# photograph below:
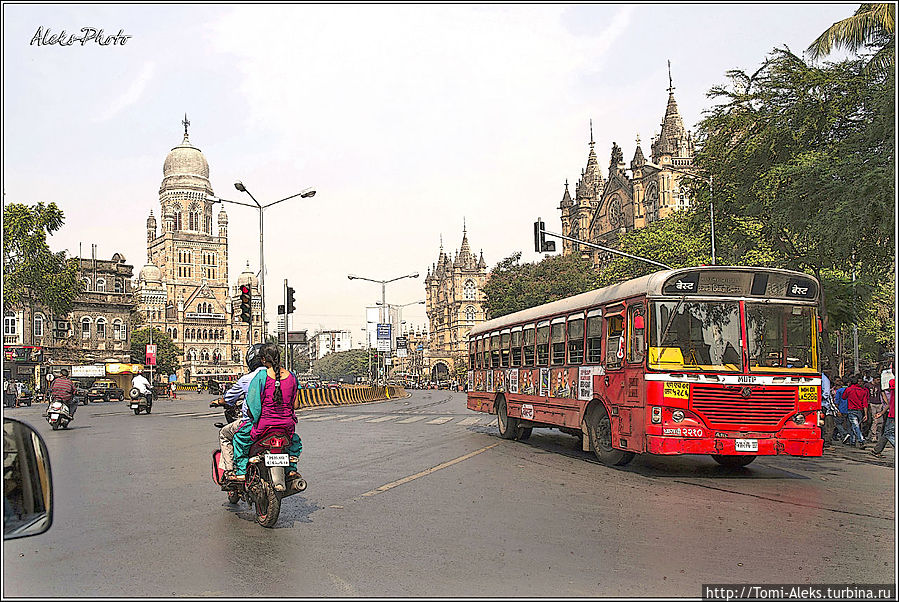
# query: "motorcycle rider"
237,392
63,389
141,383
270,403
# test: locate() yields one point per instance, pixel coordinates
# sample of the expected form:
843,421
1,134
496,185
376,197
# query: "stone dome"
150,273
185,160
247,277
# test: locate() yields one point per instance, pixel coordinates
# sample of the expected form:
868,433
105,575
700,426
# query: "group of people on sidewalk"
859,408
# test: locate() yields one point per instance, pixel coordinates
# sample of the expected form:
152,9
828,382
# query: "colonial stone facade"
454,304
183,289
98,327
604,208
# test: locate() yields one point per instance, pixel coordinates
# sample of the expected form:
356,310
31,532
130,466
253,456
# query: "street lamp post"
383,284
399,315
708,180
305,194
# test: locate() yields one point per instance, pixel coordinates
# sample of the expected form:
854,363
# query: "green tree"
873,27
803,162
33,275
513,286
343,363
168,354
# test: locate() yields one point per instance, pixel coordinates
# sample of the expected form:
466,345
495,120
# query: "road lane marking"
413,419
492,422
441,420
362,417
471,420
321,418
425,473
382,419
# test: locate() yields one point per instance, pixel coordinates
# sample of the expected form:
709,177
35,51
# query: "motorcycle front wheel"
268,505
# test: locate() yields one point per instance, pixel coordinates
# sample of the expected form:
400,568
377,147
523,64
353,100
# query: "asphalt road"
420,497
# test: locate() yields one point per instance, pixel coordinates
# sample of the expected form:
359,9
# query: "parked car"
105,390
80,394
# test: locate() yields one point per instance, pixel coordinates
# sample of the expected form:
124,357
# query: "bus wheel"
733,461
523,433
507,425
599,433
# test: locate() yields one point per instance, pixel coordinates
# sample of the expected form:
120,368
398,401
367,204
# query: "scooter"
266,481
140,402
58,415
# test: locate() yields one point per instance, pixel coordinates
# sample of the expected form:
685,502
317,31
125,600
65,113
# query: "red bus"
709,360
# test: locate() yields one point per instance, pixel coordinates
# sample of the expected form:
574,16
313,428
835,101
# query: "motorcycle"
266,481
140,401
58,415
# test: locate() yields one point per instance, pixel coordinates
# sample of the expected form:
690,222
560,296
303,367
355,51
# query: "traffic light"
246,300
290,300
541,245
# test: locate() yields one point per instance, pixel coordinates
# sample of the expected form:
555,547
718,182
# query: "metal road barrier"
347,395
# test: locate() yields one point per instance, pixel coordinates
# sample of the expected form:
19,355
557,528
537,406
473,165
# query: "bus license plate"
277,460
746,445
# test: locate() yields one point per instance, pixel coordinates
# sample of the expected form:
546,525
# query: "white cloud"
133,94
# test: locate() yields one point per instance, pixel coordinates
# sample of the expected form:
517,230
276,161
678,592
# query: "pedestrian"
173,388
889,421
829,409
842,416
20,392
857,403
885,376
877,407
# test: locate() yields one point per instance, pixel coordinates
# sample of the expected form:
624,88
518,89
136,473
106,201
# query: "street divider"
347,395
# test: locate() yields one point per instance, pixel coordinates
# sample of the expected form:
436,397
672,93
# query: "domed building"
183,290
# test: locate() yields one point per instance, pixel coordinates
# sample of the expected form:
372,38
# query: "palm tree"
872,26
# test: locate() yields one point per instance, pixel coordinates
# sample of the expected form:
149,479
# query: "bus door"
613,386
634,389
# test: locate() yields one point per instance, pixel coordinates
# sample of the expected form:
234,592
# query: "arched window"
174,333
87,283
208,224
176,209
470,313
205,355
101,285
117,330
235,356
236,336
469,290
10,324
205,336
194,217
101,328
38,325
85,328
119,286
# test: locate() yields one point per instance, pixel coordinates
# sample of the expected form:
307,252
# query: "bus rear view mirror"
27,482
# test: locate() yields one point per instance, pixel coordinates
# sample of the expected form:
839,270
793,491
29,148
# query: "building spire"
591,133
670,81
185,123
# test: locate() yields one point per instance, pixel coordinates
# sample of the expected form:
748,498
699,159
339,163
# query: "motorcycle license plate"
54,416
746,445
134,406
277,460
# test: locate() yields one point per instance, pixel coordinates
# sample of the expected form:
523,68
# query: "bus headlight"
656,415
799,419
677,416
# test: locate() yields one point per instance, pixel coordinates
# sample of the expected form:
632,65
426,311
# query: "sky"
408,120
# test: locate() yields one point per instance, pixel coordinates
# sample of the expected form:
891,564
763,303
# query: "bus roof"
705,280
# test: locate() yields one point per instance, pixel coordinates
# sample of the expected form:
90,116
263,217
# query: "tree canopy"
33,275
168,354
353,362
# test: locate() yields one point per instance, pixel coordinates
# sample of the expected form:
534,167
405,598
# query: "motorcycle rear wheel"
55,426
136,411
233,497
268,505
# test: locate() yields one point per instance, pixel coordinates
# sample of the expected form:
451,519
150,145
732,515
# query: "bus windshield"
781,338
695,335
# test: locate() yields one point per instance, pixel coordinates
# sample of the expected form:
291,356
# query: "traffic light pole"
602,248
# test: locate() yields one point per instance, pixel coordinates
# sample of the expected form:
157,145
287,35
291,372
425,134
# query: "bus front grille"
728,407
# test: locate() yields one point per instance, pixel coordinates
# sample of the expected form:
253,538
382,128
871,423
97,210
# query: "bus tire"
599,434
733,461
524,433
507,425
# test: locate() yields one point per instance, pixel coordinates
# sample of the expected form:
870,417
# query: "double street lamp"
383,303
304,194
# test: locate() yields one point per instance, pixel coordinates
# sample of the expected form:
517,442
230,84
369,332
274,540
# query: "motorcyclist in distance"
235,393
141,383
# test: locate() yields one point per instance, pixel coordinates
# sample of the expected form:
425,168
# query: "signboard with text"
384,337
151,355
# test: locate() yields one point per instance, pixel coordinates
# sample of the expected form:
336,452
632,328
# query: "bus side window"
543,345
494,350
516,349
528,346
637,340
594,340
558,344
504,350
576,340
485,353
614,342
472,355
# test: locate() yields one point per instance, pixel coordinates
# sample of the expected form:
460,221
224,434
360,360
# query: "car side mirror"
27,482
